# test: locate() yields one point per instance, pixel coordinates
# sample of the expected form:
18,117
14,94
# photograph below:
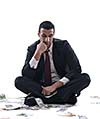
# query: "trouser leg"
66,93
32,88
28,86
75,86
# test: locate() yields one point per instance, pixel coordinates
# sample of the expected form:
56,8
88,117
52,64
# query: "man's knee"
18,82
86,78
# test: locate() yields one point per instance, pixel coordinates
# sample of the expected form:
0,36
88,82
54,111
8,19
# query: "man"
60,81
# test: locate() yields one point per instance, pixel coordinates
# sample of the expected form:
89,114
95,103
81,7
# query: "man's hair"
46,25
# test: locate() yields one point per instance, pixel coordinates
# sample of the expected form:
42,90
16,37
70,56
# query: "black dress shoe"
72,100
30,100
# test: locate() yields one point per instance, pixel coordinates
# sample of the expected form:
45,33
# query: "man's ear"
39,34
54,32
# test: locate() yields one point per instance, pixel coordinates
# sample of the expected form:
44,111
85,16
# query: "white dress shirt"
54,76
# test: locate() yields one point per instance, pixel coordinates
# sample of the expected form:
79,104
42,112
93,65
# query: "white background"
77,21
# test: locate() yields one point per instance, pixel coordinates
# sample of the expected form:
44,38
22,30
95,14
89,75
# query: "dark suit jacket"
64,58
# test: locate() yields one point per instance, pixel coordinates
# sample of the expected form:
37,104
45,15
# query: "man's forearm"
58,84
37,55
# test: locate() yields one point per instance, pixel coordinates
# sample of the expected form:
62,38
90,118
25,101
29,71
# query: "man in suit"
63,78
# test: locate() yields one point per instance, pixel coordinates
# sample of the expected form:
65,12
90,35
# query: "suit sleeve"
73,67
27,70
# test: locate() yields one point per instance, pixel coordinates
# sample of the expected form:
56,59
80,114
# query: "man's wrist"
33,63
37,55
64,80
58,84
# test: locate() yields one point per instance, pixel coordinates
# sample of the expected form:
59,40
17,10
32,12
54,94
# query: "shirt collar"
50,49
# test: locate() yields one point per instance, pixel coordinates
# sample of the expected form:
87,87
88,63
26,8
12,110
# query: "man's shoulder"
60,42
33,45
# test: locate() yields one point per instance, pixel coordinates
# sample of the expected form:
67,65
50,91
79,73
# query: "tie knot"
46,52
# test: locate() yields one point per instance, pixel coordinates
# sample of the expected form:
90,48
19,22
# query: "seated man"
51,67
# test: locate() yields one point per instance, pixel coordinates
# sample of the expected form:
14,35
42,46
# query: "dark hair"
46,25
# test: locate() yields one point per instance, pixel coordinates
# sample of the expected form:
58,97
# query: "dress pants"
65,94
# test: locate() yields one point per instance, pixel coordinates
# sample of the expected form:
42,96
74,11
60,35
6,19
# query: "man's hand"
41,48
49,89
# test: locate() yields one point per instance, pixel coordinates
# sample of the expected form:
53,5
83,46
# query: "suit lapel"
56,58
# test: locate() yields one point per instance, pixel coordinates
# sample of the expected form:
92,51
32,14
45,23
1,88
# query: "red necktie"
47,70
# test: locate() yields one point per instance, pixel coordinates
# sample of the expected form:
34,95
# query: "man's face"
46,36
